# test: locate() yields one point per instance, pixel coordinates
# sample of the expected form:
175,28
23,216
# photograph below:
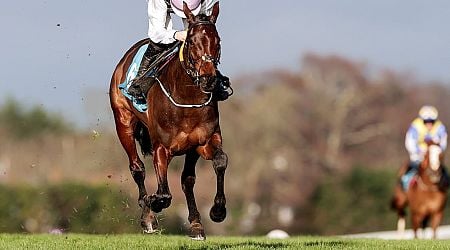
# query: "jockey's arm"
159,23
412,141
442,134
160,26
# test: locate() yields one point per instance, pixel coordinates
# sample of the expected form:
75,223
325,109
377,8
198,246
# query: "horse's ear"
190,17
215,13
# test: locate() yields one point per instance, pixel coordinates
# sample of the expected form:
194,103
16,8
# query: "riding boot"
411,172
223,88
145,77
136,88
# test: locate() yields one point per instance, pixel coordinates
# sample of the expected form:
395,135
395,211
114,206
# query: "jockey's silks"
417,135
423,132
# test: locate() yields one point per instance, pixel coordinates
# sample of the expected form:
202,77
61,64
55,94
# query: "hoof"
148,228
199,238
197,232
149,222
159,202
218,213
149,231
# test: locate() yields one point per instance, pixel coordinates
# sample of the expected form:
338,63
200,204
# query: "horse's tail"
142,136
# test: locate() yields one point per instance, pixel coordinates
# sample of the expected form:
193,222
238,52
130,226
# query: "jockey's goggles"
429,121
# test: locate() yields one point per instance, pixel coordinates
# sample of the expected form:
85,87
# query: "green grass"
77,241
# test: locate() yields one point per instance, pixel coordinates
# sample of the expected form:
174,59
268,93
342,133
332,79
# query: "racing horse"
182,119
425,197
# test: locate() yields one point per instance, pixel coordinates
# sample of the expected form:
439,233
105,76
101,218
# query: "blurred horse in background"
171,126
425,197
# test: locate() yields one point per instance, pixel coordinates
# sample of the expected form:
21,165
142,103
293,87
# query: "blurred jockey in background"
424,129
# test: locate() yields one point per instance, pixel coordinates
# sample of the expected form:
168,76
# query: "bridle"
189,67
189,64
433,174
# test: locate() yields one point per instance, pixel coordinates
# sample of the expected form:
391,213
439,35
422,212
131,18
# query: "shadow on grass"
250,244
335,243
331,244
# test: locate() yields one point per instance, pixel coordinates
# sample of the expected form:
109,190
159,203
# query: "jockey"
163,36
425,128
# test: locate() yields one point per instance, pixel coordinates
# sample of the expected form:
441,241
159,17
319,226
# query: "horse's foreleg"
162,198
435,222
416,222
124,129
398,203
196,230
213,151
218,211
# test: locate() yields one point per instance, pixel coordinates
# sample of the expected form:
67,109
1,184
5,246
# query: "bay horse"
425,198
170,127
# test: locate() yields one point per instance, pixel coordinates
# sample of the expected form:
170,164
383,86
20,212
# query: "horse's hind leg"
196,230
124,127
213,151
398,203
401,225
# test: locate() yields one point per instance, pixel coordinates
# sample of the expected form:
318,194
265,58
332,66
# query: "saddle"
159,62
408,180
160,57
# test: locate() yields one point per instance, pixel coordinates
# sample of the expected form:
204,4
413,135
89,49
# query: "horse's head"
202,48
432,162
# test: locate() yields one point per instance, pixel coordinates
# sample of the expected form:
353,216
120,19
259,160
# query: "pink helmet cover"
194,6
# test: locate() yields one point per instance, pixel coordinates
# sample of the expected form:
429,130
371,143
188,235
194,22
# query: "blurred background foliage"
25,123
316,149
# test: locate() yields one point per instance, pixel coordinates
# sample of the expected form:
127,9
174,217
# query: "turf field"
77,241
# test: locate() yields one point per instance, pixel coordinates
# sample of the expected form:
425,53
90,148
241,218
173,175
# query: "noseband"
189,66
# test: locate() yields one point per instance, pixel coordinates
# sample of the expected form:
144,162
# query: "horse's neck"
180,84
426,173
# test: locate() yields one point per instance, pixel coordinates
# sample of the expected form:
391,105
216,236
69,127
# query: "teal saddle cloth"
131,74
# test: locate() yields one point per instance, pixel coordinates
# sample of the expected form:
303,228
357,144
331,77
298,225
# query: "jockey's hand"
180,35
430,141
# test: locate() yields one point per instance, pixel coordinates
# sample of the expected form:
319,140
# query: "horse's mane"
201,18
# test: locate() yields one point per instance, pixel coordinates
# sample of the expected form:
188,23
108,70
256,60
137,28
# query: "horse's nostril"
203,80
207,83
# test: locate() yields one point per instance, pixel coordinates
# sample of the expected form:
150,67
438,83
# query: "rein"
182,105
425,187
429,173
